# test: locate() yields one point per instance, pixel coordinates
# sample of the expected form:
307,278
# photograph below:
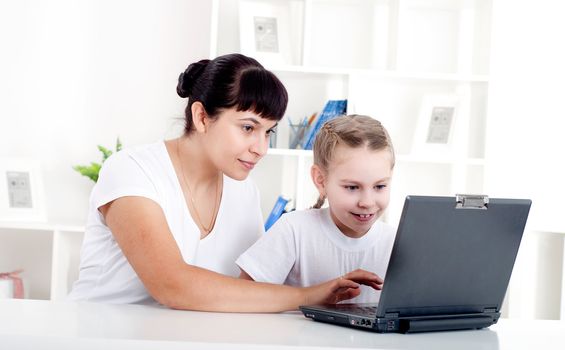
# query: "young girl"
353,165
167,220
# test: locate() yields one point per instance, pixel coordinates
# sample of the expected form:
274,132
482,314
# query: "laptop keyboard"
367,311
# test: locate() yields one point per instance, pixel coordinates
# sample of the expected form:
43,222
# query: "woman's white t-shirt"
304,248
147,171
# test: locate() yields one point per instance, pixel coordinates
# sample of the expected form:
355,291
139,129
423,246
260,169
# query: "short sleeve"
258,213
122,176
272,257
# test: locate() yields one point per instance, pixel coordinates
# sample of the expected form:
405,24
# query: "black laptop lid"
450,258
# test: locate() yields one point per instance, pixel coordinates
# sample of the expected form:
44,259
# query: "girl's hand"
365,277
343,288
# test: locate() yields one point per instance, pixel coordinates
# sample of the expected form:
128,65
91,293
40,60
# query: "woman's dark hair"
228,81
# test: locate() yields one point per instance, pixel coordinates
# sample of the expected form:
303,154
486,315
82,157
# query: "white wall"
75,74
526,112
525,144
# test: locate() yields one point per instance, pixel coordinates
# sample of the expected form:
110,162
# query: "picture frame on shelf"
21,190
264,28
435,127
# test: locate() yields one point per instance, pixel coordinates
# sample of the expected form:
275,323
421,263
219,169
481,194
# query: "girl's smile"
363,217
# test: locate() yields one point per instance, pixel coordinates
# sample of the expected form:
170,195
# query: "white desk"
38,324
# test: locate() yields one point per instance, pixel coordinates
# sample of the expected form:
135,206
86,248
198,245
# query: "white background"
75,74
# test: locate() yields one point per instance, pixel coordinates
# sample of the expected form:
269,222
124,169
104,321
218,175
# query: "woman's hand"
342,288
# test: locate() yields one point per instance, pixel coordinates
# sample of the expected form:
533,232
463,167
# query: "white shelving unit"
50,262
385,57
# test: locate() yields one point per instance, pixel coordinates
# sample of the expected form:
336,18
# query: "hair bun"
188,78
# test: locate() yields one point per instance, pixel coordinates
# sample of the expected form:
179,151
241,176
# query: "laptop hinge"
391,315
471,201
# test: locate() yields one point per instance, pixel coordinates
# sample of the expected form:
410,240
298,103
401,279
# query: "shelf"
289,152
308,69
50,262
40,226
399,158
450,38
385,74
438,160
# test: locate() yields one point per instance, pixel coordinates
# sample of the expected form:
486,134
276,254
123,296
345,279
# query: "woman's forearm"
141,231
204,290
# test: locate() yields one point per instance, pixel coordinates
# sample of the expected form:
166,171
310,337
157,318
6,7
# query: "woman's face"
238,140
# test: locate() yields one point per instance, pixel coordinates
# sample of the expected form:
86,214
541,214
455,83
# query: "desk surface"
68,325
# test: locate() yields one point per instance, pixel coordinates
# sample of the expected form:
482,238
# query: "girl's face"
237,140
357,186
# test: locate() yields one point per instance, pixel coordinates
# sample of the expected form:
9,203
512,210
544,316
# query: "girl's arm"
140,229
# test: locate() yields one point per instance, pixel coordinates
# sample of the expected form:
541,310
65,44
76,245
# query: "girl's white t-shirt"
304,248
147,171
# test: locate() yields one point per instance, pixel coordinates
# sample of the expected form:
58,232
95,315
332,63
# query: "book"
332,109
276,212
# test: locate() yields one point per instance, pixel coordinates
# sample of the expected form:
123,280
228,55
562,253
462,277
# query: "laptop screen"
450,258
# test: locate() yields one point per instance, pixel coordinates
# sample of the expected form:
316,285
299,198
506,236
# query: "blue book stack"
333,108
276,213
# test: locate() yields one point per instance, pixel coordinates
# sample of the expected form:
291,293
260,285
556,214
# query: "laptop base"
401,324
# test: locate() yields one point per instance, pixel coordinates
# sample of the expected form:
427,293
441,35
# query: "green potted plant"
91,171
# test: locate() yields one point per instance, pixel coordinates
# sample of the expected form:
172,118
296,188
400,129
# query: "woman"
168,220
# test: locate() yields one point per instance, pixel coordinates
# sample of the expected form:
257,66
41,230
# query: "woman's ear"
319,179
199,117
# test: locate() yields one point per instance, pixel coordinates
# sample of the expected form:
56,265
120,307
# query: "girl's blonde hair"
353,131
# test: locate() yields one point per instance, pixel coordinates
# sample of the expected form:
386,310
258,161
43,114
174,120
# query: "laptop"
449,268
